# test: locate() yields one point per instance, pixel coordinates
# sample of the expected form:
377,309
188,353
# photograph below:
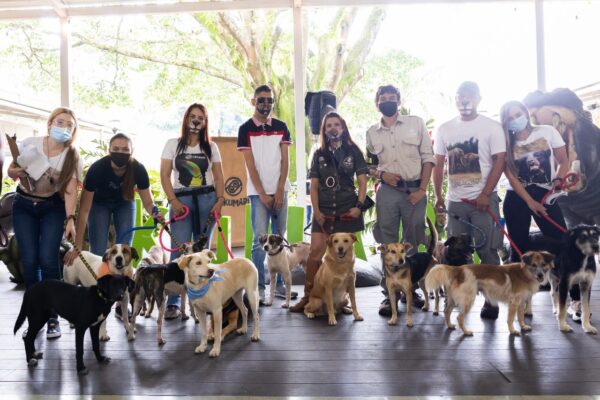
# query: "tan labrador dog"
335,280
211,285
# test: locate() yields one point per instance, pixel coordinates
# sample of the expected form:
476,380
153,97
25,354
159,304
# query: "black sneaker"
417,299
385,308
53,329
280,292
489,311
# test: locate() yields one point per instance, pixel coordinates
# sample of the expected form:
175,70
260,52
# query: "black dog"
84,307
575,264
457,251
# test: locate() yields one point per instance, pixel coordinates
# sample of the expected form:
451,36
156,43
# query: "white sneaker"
261,296
574,311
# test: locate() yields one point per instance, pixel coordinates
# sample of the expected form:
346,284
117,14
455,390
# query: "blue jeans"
39,231
184,230
261,216
121,214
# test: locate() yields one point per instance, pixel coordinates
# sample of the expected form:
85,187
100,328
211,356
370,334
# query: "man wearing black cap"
400,148
475,148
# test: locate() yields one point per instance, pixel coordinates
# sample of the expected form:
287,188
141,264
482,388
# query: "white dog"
282,258
117,260
211,285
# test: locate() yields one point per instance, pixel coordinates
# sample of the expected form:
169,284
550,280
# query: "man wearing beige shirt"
400,149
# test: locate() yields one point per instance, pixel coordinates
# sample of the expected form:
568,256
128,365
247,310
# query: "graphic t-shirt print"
192,169
533,162
463,163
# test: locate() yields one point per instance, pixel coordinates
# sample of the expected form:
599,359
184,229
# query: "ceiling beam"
59,7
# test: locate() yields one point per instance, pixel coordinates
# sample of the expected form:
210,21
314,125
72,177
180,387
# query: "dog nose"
119,260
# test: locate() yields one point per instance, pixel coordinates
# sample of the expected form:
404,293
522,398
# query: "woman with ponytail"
44,207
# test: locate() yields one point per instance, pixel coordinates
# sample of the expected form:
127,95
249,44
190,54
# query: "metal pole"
299,88
65,62
540,45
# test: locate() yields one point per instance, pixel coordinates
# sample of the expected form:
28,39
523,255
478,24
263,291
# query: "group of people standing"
402,158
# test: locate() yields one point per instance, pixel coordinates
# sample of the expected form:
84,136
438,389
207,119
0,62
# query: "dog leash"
470,225
570,180
165,227
82,258
222,235
497,221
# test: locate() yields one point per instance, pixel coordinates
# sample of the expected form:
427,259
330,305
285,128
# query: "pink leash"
222,234
165,227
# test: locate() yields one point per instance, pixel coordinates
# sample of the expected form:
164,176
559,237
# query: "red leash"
497,221
342,217
222,235
570,180
165,227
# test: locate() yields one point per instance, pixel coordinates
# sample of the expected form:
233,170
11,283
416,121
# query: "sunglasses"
264,100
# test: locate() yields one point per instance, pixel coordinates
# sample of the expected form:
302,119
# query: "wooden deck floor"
298,357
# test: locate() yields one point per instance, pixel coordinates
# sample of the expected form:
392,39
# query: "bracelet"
72,216
360,205
171,200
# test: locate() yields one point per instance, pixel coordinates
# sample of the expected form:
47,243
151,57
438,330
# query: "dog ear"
106,256
183,262
548,257
262,239
353,236
211,256
130,284
526,258
134,253
382,248
407,246
330,240
450,241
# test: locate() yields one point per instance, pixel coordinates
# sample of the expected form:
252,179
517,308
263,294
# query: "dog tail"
439,276
434,236
22,314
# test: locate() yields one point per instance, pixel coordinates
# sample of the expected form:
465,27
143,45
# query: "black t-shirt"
335,171
106,185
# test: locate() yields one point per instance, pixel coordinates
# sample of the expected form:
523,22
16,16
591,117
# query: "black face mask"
388,108
119,159
264,109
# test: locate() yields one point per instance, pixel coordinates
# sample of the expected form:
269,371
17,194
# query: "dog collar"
195,294
102,296
278,251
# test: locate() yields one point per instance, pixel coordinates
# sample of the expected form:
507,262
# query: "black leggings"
518,221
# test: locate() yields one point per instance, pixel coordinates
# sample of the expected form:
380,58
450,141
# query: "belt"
402,184
33,198
195,208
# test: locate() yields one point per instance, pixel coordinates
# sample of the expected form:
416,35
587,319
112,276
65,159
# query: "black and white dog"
84,307
575,265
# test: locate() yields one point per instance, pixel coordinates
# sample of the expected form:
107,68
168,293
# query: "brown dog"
335,280
509,283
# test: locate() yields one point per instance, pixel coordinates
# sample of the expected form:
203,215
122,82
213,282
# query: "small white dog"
283,258
211,285
117,260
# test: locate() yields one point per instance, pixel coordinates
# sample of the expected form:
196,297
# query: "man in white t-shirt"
475,148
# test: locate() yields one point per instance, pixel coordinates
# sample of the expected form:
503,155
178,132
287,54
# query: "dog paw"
104,338
451,326
309,315
358,317
147,315
200,349
184,317
393,321
131,337
241,331
211,338
33,362
214,353
285,305
268,303
254,338
104,360
38,355
436,313
467,333
332,321
425,308
71,326
525,328
161,341
409,323
590,329
515,332
83,371
565,328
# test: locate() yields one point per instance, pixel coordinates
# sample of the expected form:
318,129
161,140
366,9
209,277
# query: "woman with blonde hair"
44,207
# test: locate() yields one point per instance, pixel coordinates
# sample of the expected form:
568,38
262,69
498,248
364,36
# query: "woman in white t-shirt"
191,175
44,207
536,161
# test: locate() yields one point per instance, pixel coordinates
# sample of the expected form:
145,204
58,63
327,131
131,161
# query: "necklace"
54,167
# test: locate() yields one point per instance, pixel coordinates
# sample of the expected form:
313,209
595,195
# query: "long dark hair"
346,139
510,136
129,176
72,157
182,143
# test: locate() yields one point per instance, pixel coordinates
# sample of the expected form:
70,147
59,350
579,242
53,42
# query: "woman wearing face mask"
108,196
44,207
536,161
333,193
191,175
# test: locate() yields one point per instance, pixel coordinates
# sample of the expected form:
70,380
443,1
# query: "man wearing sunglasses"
264,141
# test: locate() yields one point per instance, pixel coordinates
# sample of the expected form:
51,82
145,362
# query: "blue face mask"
59,134
518,124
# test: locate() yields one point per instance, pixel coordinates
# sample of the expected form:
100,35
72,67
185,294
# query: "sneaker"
417,299
574,311
261,296
53,329
280,292
172,312
489,311
385,308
